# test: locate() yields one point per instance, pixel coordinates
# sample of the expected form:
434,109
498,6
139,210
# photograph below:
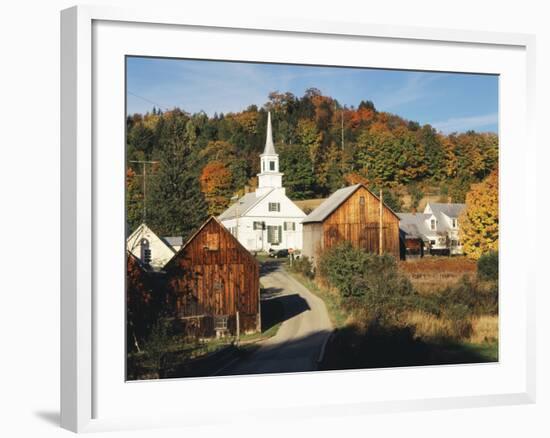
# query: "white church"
266,219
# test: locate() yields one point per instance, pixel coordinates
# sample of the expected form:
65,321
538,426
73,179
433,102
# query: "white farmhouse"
438,227
152,250
266,219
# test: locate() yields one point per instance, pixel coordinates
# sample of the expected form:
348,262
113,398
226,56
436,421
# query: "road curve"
298,342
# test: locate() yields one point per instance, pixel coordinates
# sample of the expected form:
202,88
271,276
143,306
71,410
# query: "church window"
272,165
274,206
274,234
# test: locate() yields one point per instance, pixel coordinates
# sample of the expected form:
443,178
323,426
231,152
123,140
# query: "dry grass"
485,329
308,205
431,274
430,327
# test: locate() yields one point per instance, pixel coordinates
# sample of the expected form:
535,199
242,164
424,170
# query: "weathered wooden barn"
351,214
214,282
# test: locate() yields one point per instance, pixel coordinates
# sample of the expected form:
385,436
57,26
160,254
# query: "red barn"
214,279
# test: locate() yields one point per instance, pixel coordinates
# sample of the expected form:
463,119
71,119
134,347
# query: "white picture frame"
84,239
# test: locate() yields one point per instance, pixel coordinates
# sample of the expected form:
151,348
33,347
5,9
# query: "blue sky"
448,101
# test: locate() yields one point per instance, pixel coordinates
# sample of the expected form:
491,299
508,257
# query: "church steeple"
269,148
269,178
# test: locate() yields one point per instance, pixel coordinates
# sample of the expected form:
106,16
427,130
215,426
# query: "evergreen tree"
176,205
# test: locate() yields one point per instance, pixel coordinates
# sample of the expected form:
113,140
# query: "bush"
479,299
303,266
487,266
370,286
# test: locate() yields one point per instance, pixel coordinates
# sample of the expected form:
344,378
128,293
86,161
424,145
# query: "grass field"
431,274
420,338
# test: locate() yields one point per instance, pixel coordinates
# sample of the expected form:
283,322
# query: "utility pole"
342,113
380,233
144,175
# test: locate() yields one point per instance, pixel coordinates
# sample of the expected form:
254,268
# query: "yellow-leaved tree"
479,220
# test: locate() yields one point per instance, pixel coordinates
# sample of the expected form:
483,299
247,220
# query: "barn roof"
334,201
244,204
196,233
450,210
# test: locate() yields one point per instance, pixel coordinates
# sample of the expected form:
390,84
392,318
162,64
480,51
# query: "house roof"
173,240
450,210
413,225
133,240
242,205
334,201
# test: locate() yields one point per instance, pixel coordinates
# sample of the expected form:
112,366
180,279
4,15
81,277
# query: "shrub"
479,299
487,266
157,345
370,286
303,266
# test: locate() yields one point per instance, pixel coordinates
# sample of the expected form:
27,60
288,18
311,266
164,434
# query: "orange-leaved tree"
479,220
216,181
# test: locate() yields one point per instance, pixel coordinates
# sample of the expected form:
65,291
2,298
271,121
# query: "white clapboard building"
153,251
266,219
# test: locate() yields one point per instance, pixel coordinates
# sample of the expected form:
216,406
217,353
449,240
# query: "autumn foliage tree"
216,184
479,221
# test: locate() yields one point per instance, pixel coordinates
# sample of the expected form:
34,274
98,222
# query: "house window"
274,206
432,242
258,225
145,251
274,234
454,223
290,226
272,165
432,224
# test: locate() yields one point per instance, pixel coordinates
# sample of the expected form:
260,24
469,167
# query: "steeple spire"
269,147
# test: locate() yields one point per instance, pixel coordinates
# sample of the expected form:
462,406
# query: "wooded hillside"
200,162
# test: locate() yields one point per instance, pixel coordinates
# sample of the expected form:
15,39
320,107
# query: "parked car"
278,253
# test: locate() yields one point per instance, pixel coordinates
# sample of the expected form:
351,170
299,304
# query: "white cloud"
414,88
457,124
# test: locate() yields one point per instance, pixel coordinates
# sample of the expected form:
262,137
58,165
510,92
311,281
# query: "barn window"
274,234
361,200
220,323
145,251
432,224
272,165
274,206
212,241
290,226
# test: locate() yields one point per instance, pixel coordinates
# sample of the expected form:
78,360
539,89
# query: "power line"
163,107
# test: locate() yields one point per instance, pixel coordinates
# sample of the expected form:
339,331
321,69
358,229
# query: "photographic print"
297,218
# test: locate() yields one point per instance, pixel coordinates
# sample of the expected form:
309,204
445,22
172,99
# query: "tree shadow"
276,308
270,265
352,347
